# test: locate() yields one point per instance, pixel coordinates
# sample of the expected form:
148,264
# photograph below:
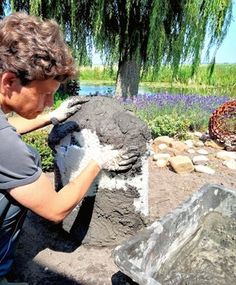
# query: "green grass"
96,74
222,82
224,74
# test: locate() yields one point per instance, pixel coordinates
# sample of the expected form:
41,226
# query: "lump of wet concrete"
207,258
116,205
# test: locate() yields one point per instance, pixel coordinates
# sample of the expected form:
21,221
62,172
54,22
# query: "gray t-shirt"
19,165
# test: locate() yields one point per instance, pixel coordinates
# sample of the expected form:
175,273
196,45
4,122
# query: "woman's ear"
9,82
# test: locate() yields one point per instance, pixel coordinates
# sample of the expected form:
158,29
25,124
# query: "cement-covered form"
117,204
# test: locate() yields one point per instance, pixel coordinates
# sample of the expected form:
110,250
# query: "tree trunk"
127,81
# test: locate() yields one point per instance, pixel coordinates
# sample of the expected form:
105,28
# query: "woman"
34,60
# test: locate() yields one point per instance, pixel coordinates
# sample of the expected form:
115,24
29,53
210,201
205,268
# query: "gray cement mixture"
106,219
209,257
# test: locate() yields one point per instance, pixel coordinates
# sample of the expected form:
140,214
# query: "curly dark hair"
34,49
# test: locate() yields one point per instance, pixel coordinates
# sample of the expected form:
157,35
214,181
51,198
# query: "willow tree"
2,7
139,35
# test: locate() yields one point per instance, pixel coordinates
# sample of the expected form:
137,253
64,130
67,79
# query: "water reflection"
109,90
96,89
103,90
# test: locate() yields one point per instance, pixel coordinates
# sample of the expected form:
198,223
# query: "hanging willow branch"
151,32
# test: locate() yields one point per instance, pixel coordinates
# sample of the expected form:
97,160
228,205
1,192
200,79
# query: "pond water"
110,89
103,89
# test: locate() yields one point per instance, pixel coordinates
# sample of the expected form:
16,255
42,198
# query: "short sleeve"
18,165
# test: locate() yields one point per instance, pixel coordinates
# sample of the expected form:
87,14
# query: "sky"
225,54
227,50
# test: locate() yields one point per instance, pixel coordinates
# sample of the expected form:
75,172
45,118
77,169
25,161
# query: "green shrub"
59,97
198,122
172,125
39,140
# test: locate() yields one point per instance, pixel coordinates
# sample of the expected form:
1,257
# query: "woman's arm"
64,111
41,197
24,126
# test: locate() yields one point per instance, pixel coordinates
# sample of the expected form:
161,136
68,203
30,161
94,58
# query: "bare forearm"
24,126
71,194
42,199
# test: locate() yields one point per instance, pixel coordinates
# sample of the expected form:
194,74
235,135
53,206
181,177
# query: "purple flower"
184,102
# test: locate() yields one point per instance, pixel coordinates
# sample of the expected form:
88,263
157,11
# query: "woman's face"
30,100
